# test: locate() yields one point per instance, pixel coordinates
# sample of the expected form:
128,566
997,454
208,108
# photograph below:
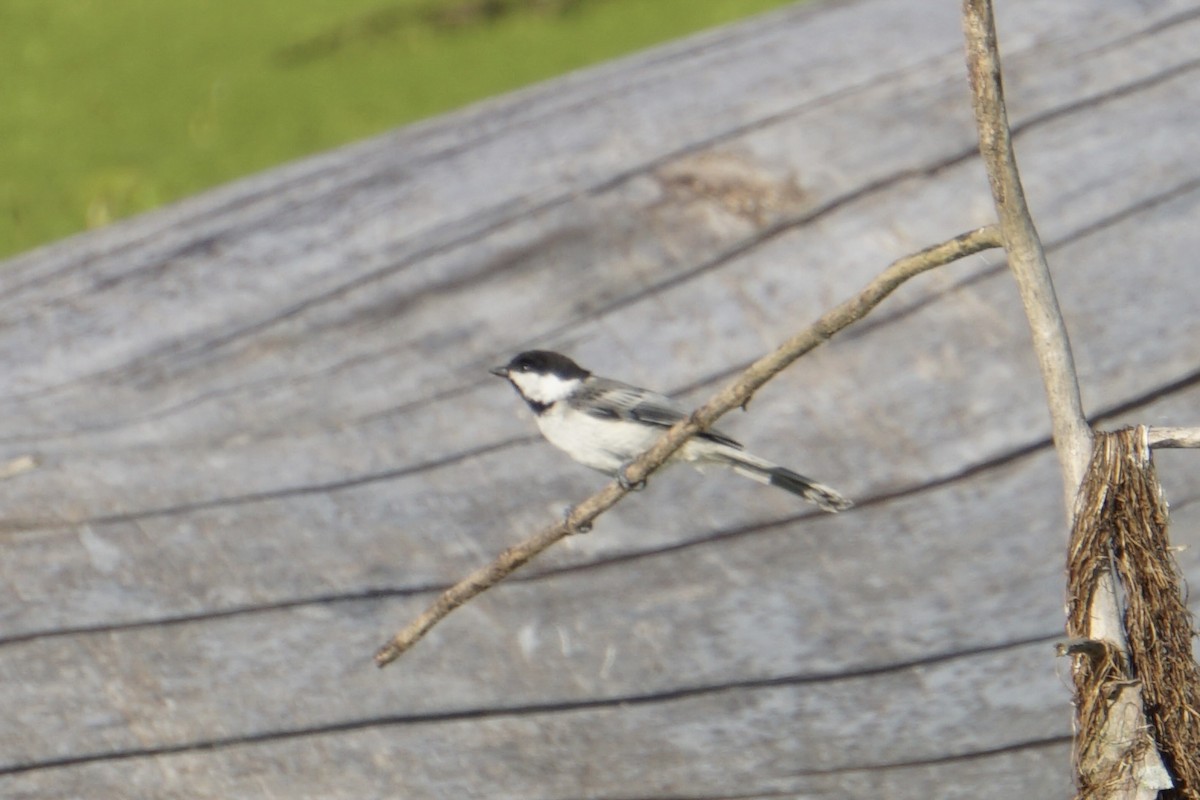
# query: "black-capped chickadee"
605,424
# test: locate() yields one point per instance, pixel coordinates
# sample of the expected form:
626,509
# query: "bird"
606,424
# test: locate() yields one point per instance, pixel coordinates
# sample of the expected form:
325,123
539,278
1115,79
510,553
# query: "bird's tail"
763,471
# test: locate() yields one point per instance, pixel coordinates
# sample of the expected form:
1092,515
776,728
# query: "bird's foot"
572,527
625,483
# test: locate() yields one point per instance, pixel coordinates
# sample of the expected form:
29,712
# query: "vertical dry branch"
1026,258
1119,765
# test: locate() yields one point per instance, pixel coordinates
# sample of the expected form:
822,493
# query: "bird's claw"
582,527
626,484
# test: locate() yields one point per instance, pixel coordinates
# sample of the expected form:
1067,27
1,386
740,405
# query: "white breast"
602,444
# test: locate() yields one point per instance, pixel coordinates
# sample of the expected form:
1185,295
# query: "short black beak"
499,372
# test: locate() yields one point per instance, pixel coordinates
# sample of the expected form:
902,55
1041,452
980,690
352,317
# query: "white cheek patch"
543,388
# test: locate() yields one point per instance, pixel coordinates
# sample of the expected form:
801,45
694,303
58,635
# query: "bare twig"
1173,437
732,396
1112,764
1026,258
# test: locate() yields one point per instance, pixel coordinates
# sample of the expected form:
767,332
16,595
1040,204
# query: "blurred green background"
111,107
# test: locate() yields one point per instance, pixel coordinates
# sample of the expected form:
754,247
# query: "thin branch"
1026,258
1173,437
1111,765
734,395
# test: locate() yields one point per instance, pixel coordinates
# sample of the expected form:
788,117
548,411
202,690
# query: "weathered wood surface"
263,432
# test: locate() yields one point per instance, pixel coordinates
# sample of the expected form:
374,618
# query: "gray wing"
611,399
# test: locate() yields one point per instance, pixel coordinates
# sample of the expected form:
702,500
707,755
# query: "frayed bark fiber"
1120,533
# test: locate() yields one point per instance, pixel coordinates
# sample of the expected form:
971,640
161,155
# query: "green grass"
111,107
